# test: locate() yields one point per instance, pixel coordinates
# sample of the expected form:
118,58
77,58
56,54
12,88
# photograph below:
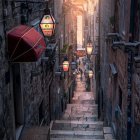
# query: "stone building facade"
106,11
136,73
26,89
119,86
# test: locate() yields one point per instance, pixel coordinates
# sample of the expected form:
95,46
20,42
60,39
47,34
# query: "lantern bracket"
89,39
47,10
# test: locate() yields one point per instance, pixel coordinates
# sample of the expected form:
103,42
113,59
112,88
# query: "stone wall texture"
114,87
106,11
25,88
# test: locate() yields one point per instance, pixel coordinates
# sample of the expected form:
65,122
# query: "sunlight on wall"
79,31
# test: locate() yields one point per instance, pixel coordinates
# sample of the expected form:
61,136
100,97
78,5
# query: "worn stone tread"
74,139
107,130
83,133
82,115
80,119
79,122
83,105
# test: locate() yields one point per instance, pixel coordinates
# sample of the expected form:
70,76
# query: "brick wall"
111,84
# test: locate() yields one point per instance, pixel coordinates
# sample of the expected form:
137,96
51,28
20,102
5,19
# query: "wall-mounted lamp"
65,65
90,73
89,47
47,23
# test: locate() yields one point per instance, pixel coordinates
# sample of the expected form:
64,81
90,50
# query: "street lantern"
90,73
65,66
47,25
73,65
89,48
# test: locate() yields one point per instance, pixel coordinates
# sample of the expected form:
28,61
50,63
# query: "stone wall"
118,82
35,90
115,107
6,117
34,80
106,11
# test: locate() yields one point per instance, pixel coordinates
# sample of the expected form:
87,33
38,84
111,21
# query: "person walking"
81,73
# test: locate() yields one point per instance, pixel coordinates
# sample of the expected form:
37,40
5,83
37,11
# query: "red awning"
25,44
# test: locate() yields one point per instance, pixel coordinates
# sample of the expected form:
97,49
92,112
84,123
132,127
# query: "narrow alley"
69,69
80,119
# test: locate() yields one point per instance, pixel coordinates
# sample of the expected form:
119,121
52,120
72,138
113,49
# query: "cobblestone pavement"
80,120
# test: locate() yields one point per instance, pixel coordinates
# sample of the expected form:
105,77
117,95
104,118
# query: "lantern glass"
47,25
90,73
89,48
65,66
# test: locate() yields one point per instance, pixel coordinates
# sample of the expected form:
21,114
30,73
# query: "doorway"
17,96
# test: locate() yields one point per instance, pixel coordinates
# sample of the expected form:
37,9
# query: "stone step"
81,98
80,117
78,122
108,133
76,134
84,96
74,139
76,101
86,107
81,108
82,105
108,137
82,93
80,112
86,115
79,84
77,125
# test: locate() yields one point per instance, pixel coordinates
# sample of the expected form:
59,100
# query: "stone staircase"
80,119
